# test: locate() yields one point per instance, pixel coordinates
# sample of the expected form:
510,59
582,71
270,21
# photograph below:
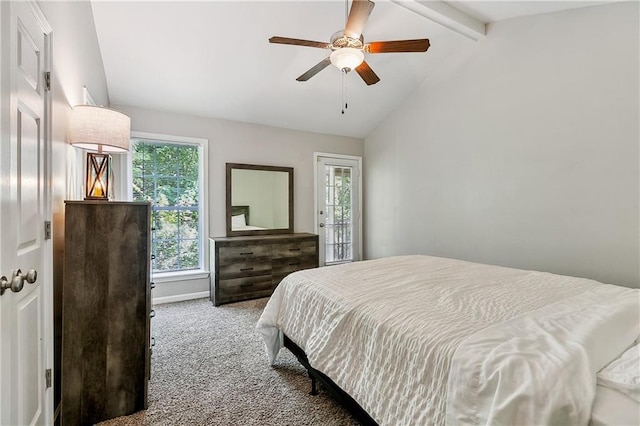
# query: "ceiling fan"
348,46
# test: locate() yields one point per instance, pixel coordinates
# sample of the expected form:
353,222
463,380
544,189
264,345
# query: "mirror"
259,199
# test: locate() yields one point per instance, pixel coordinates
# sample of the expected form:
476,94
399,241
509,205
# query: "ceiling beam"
446,15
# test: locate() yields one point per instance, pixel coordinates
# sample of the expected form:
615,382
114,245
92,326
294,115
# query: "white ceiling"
492,11
213,58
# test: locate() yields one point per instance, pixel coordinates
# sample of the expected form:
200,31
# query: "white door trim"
48,332
47,294
358,159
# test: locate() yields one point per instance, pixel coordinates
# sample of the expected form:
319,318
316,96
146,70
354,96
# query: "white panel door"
338,205
24,200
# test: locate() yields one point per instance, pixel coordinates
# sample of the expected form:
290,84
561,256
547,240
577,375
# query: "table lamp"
103,130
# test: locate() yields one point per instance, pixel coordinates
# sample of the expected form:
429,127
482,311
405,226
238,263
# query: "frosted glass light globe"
347,58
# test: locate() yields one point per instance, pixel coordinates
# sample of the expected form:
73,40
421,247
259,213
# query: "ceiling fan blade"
314,70
298,42
419,45
367,74
358,16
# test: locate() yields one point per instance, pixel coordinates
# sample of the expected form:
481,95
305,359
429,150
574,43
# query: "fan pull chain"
344,92
342,99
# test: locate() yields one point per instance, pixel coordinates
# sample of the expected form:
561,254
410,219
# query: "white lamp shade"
93,127
347,57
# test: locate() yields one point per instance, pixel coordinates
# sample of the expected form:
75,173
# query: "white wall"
76,63
525,156
237,142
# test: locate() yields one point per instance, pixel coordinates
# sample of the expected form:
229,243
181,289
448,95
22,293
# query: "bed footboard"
341,396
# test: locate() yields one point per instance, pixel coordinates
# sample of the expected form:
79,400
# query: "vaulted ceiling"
213,58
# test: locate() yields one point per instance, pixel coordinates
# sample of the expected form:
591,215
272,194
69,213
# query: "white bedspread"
386,330
540,368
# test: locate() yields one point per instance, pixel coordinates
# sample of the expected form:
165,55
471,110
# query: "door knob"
30,277
321,225
17,280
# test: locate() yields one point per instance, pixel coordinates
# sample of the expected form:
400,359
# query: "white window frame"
203,177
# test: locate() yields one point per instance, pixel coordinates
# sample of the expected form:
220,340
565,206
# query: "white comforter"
386,331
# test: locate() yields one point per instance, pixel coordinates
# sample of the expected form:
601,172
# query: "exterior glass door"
338,209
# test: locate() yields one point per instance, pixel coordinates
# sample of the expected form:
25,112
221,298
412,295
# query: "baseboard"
180,297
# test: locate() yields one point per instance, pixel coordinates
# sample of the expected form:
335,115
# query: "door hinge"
47,377
47,230
47,80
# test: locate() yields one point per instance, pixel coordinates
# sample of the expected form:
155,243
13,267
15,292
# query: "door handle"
17,280
321,225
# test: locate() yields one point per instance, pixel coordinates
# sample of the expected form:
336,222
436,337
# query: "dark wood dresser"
105,310
251,267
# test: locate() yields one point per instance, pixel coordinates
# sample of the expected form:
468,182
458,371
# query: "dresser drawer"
244,269
240,253
245,287
285,266
294,249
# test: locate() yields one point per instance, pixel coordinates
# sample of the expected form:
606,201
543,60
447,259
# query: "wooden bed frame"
341,396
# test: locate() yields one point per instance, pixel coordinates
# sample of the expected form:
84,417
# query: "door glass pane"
338,223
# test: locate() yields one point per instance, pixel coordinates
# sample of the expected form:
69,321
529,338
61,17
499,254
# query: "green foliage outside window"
166,175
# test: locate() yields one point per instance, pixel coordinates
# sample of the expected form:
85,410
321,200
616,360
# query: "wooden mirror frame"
230,167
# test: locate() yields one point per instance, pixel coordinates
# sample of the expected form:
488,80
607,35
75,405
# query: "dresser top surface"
275,237
107,203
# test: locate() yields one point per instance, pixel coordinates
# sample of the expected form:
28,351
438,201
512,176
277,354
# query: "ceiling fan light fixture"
347,58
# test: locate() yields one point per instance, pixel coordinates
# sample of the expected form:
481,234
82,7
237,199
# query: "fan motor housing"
340,40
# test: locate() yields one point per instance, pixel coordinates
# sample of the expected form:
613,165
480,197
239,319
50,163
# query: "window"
169,175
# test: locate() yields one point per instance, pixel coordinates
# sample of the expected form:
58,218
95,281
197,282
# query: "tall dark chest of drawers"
105,310
251,267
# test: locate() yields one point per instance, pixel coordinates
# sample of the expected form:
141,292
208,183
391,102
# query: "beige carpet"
209,367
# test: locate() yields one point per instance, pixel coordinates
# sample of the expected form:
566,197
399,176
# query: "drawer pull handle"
246,269
246,254
294,249
152,285
246,285
294,264
153,341
152,314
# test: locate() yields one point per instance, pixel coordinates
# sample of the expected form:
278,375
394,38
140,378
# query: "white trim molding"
446,15
180,276
180,297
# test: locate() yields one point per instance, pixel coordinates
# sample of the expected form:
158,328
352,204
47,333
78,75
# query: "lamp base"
97,178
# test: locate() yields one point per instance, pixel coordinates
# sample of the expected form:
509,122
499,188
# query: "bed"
240,219
425,340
